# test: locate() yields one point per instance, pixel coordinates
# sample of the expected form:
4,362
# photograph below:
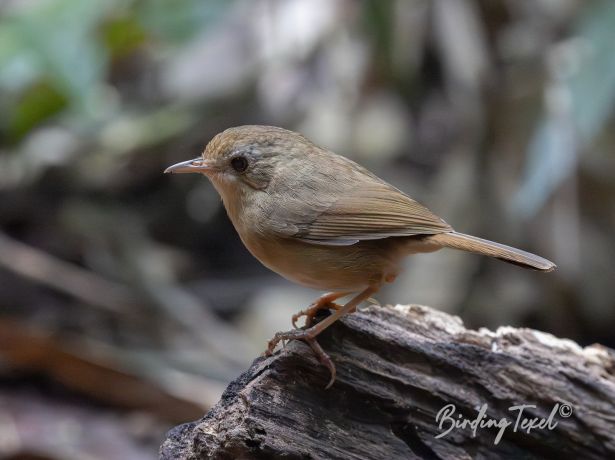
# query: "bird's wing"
372,210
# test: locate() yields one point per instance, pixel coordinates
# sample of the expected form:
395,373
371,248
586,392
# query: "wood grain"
397,368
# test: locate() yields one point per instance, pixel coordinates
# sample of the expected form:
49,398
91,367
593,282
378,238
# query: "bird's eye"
239,164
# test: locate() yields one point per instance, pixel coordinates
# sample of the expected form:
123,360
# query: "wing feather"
370,210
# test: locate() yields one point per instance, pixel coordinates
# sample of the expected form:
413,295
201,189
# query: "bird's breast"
319,266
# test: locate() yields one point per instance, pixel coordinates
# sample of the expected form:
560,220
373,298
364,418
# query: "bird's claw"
296,334
306,336
324,359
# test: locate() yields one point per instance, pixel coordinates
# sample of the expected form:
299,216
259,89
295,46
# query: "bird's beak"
198,165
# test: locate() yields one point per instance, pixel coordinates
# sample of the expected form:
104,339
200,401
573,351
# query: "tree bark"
398,368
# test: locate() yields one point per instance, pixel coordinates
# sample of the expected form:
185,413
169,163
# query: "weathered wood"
397,368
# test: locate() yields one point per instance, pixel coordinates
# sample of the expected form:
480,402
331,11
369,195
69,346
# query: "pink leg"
309,335
325,301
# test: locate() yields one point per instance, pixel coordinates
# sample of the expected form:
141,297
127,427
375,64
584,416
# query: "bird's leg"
309,335
325,301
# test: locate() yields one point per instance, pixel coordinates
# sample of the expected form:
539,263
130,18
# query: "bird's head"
245,158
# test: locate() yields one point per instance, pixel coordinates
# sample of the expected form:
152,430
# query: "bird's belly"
326,267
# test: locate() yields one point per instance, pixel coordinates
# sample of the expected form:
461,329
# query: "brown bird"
323,221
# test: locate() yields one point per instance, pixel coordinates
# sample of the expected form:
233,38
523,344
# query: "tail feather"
490,248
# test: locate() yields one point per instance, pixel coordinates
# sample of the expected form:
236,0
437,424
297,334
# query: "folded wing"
372,210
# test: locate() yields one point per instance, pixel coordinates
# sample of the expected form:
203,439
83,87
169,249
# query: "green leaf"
122,36
40,102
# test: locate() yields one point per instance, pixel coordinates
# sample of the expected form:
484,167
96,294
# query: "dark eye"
239,164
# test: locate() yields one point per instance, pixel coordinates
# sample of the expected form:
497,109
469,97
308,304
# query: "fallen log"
413,382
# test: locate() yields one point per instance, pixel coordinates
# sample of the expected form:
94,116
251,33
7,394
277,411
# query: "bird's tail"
489,248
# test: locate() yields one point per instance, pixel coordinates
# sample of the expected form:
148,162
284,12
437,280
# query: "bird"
323,221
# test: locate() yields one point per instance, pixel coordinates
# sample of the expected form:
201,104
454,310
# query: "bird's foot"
311,311
295,334
307,335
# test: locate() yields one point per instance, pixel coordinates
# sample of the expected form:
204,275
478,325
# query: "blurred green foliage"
176,22
55,40
579,102
122,35
36,104
55,54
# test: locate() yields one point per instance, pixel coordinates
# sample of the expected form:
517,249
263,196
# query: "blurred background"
127,301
